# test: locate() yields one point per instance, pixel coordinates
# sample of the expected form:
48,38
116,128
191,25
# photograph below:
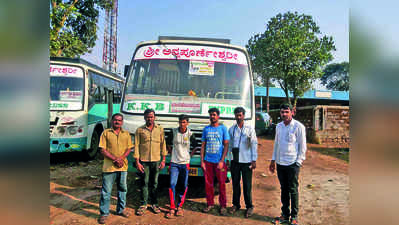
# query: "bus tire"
95,141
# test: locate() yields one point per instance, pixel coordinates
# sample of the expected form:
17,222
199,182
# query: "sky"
231,19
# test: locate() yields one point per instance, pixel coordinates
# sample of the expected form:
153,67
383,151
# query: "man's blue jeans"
108,181
178,171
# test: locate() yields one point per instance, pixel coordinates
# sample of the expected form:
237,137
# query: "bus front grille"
197,143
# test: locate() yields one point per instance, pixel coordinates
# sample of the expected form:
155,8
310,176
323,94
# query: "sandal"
249,212
294,221
141,210
155,209
207,209
170,214
281,219
223,211
124,214
102,219
179,212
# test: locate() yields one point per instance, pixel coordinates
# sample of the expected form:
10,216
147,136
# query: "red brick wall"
324,124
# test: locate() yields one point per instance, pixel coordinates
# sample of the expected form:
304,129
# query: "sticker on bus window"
226,110
60,105
139,106
74,96
185,107
197,67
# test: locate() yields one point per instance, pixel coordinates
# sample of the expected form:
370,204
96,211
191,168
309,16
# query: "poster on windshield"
201,68
74,96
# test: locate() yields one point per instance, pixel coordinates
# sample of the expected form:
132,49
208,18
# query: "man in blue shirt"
215,141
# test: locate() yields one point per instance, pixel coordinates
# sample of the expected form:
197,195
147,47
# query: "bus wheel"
95,140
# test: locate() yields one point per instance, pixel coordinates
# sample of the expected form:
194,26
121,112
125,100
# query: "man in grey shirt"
289,153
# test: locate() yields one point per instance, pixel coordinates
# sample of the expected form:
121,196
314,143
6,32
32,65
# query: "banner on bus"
66,71
191,52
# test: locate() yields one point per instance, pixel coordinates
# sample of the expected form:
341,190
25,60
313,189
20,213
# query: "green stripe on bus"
99,112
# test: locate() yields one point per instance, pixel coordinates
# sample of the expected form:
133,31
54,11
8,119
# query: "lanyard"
234,133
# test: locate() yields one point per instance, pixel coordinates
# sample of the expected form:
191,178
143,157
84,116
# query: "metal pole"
267,94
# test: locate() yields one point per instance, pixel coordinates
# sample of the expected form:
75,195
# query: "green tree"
291,52
336,76
73,25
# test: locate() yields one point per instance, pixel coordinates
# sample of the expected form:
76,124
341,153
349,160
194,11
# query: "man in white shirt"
289,153
243,149
179,165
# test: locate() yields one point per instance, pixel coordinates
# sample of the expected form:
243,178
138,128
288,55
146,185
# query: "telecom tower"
110,41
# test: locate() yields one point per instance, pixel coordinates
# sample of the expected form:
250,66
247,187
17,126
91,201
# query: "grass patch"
339,153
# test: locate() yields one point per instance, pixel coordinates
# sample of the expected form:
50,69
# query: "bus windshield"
66,88
187,83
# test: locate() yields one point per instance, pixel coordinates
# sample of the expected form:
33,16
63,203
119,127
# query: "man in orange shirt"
115,144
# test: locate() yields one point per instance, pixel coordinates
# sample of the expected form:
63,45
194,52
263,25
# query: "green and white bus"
83,98
177,75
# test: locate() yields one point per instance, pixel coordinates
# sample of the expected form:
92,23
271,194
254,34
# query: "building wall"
324,124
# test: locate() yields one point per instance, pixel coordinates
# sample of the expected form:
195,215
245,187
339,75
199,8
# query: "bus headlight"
61,130
80,130
72,130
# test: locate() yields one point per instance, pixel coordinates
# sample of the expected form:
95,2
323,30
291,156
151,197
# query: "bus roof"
225,41
84,62
192,40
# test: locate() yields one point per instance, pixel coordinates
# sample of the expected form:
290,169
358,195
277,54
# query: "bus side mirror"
126,71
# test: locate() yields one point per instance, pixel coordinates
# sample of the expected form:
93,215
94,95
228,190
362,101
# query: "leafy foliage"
291,52
336,76
73,25
259,80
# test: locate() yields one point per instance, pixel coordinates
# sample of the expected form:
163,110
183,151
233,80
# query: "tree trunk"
285,89
294,106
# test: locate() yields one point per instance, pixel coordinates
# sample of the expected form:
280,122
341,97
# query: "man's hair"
116,114
148,111
239,109
286,106
216,110
183,117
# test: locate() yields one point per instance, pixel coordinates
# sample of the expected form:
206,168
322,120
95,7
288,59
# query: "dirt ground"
323,193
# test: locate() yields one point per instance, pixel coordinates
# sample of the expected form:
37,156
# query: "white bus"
83,97
177,75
